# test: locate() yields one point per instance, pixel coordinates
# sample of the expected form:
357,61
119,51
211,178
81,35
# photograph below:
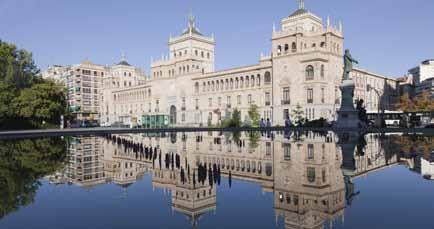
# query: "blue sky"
386,36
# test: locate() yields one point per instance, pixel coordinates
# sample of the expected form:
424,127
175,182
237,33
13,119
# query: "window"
322,95
286,96
311,174
310,152
286,151
258,80
197,104
309,72
322,71
294,47
210,102
279,49
310,95
196,87
219,100
267,99
228,101
239,99
267,78
249,99
286,48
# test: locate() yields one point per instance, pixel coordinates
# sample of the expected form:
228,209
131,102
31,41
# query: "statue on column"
348,64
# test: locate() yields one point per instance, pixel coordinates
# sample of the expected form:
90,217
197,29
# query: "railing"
286,102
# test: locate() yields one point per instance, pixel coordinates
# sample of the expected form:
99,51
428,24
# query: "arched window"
258,80
309,72
322,71
242,82
203,86
294,47
252,80
279,49
247,81
213,86
217,85
322,45
196,87
232,83
202,54
236,83
313,45
196,53
286,48
227,84
208,55
267,78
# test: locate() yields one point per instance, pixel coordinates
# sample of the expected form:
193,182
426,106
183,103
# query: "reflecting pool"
218,180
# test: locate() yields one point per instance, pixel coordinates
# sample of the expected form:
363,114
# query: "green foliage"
232,121
42,102
254,115
22,164
26,100
298,115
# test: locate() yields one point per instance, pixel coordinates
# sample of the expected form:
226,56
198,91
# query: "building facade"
423,76
304,70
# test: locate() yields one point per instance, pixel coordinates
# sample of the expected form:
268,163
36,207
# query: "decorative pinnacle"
301,4
123,56
191,20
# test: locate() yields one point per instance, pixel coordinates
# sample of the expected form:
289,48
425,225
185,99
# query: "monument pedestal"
348,116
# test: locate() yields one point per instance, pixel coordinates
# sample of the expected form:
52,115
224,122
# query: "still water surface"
218,180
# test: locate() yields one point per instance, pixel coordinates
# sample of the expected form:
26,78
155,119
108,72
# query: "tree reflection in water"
22,164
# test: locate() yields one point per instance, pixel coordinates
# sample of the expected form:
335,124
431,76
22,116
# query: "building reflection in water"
309,175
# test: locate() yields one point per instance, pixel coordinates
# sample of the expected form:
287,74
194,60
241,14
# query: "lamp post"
379,116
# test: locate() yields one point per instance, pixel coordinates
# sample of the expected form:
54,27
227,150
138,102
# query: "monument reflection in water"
309,175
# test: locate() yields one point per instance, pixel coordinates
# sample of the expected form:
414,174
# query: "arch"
252,80
310,72
286,48
279,49
172,117
294,47
258,80
267,78
247,81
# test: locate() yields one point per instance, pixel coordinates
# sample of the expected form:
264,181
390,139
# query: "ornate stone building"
304,69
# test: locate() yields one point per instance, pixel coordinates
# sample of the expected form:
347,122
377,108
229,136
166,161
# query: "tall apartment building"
84,84
423,76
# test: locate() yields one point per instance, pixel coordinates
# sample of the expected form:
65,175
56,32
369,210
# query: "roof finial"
300,4
191,19
123,56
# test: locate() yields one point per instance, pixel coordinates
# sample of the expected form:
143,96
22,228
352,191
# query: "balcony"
286,102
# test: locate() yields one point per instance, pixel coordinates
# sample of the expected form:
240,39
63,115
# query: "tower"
307,66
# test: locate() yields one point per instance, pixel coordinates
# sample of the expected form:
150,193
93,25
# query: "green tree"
25,98
17,66
43,102
298,115
254,115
